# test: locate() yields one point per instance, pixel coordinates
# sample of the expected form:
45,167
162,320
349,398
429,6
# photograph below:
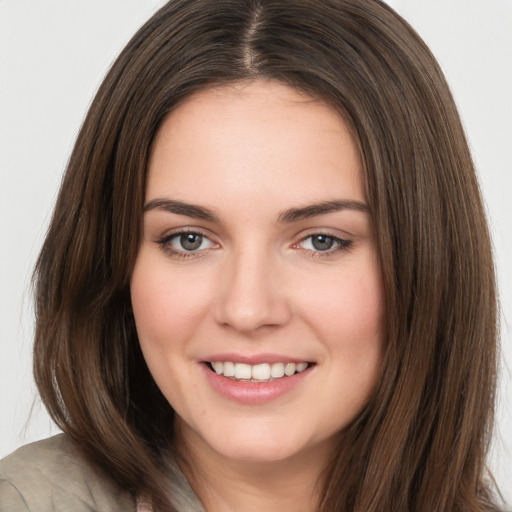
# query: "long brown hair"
420,443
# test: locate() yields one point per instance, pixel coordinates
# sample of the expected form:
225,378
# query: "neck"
228,485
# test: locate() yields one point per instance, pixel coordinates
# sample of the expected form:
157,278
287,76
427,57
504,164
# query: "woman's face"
257,291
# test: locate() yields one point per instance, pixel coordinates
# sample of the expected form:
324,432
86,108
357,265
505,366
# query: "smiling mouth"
256,373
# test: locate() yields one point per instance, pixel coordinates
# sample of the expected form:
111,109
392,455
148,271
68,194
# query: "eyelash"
339,244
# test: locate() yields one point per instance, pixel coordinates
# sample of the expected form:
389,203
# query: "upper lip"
253,359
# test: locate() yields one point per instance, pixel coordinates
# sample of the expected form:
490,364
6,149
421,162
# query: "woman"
268,279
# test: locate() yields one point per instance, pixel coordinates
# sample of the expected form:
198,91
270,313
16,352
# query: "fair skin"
258,253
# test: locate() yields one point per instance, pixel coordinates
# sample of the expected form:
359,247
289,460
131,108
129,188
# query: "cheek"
356,344
166,305
167,311
348,307
347,314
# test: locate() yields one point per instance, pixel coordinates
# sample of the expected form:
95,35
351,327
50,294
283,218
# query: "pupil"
191,241
322,242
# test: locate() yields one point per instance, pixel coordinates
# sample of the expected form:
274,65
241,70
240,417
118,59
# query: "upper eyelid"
336,233
192,229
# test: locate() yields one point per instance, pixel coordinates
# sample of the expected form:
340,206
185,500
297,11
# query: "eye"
320,242
189,241
324,244
185,244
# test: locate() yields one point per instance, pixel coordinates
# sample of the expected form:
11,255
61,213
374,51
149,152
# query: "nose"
251,294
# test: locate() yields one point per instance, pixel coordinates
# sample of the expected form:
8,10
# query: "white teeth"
300,367
259,372
289,369
243,371
229,369
277,370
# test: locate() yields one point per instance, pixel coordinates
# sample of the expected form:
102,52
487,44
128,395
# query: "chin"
259,451
257,441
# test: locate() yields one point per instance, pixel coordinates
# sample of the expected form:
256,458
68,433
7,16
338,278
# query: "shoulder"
51,475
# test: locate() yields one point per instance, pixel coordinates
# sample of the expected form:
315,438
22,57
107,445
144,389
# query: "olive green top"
51,476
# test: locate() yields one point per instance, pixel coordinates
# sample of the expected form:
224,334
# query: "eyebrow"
180,208
295,214
287,216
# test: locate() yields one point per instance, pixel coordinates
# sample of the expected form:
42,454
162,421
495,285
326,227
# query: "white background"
53,55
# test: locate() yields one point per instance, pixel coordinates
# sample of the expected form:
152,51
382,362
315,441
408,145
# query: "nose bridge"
250,295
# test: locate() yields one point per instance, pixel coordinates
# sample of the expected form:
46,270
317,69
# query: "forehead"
253,142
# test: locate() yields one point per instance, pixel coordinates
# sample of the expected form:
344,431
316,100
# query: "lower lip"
253,392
